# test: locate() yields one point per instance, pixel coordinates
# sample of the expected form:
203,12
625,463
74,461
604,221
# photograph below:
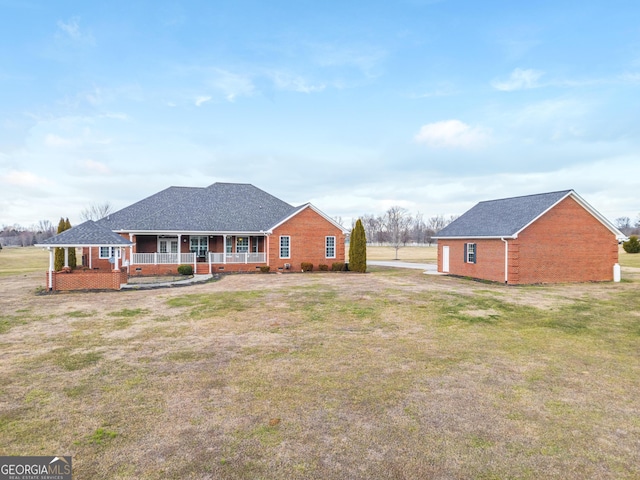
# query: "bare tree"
397,222
372,228
96,211
434,225
624,225
419,229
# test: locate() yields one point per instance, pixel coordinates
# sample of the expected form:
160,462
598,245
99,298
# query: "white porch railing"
190,258
237,257
163,258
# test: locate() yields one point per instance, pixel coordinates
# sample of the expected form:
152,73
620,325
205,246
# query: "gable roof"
88,233
221,207
304,207
508,217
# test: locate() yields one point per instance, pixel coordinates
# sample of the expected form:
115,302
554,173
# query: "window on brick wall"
109,252
285,246
330,247
470,252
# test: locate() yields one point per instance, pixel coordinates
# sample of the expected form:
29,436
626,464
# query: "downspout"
506,261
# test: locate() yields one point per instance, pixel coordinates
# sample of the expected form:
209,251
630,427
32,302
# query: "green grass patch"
80,314
129,312
217,304
76,361
101,436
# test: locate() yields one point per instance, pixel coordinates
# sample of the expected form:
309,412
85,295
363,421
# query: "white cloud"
519,80
202,99
94,166
233,85
296,83
452,134
72,30
54,141
22,179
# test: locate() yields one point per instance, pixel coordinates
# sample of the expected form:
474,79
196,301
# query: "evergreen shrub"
632,245
185,269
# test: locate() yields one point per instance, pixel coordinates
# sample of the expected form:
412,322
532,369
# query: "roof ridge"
527,196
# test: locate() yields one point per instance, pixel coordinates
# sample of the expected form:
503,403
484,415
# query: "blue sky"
354,106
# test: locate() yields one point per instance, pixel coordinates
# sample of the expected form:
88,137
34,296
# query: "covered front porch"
162,252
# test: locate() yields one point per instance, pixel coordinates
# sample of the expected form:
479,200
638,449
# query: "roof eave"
479,237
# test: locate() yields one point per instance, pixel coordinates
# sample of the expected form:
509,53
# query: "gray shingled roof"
221,207
501,218
88,233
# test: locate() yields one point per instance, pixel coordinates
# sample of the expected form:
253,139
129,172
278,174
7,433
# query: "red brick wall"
98,263
307,230
567,244
87,280
489,254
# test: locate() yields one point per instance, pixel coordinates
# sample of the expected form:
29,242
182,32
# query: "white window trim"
168,240
111,252
239,246
326,246
199,237
471,254
288,237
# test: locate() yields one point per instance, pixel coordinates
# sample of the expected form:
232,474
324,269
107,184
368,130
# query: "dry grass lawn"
391,374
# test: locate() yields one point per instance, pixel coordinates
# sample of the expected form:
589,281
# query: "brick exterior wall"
567,244
308,231
87,280
490,259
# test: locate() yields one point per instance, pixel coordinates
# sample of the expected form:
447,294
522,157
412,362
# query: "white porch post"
179,248
195,262
50,268
131,251
66,257
116,267
224,249
266,250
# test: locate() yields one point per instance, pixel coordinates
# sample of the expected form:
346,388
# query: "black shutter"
475,256
465,253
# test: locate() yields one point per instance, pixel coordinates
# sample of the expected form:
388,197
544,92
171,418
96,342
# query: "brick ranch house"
545,238
225,227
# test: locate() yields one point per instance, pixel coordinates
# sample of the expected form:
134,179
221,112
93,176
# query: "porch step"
202,269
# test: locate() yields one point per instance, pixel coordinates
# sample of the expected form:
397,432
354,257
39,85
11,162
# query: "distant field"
408,254
17,260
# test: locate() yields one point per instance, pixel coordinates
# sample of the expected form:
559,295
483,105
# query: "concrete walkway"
428,268
176,283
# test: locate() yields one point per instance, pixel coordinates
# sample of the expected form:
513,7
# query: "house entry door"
199,245
445,259
168,245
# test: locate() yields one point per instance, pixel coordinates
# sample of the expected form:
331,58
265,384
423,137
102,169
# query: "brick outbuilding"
545,238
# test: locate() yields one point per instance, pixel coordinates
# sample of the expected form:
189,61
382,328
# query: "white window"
470,252
330,247
109,252
285,247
